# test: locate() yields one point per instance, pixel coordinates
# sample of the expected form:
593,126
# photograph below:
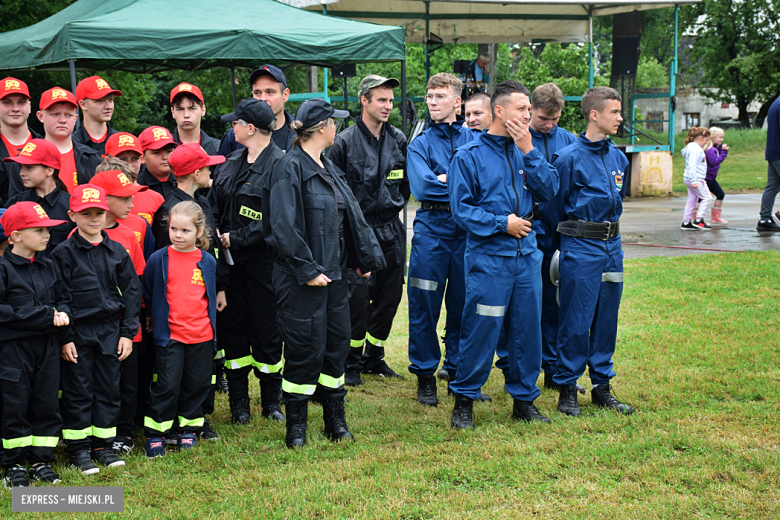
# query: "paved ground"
648,224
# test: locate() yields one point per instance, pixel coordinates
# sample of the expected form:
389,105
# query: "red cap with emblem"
122,142
116,183
186,88
24,215
88,196
155,137
38,151
11,85
191,157
57,95
94,87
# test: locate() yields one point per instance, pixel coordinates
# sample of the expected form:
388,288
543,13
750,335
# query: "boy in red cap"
96,99
15,107
127,147
34,309
106,303
157,144
59,114
188,108
39,163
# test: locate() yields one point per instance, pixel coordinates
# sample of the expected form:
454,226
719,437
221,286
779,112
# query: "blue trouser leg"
550,313
429,266
502,293
588,315
453,301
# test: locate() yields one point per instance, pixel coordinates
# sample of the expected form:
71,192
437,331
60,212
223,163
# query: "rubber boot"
333,414
238,398
270,398
716,218
297,423
462,413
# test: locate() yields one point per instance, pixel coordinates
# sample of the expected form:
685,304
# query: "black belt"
585,229
530,217
537,212
443,206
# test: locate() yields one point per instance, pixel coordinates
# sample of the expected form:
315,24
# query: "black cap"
314,110
253,111
268,70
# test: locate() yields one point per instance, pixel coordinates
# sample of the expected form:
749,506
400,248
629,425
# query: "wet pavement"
651,227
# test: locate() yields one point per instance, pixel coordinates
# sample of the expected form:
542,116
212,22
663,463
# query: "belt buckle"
608,231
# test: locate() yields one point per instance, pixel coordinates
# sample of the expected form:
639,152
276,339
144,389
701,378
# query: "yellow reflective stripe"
103,433
160,427
357,343
331,382
240,362
154,378
250,213
214,379
77,435
59,396
19,442
197,423
45,442
292,388
374,341
265,368
220,354
216,253
395,174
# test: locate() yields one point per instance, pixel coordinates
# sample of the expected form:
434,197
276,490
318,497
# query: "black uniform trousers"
183,383
90,388
247,326
29,382
128,390
314,324
373,301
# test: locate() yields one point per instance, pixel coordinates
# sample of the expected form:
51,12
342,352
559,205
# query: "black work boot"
527,411
567,400
552,385
297,423
239,399
335,420
462,414
270,398
602,398
374,362
426,390
353,367
483,397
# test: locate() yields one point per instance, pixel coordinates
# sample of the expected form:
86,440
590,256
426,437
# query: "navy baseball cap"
253,111
268,70
314,110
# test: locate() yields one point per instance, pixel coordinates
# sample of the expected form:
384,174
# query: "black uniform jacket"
81,136
237,199
10,180
304,221
164,188
29,294
102,282
375,170
87,160
56,204
208,143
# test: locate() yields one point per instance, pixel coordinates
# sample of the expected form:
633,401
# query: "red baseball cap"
116,183
94,87
88,196
38,151
57,95
11,85
26,214
186,88
122,142
155,137
191,157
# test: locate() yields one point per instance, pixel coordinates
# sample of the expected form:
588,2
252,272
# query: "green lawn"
740,172
697,358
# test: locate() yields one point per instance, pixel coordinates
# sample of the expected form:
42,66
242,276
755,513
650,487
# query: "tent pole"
673,83
590,52
346,96
403,129
324,69
72,65
427,37
233,85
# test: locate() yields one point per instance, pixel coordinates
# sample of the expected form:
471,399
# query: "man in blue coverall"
592,172
438,244
493,183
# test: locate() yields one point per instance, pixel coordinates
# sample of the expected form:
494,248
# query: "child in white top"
694,178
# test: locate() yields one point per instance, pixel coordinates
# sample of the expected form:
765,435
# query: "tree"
651,74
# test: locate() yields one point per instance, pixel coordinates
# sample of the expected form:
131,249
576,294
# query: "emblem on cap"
126,140
160,133
12,84
101,84
41,212
90,195
28,149
58,93
123,179
185,87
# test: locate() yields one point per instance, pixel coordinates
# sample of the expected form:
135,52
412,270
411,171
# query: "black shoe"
443,375
552,385
106,457
297,423
702,225
567,400
462,413
527,411
352,377
689,227
767,225
206,433
122,445
15,476
83,463
44,474
602,398
380,368
270,400
426,390
333,415
238,397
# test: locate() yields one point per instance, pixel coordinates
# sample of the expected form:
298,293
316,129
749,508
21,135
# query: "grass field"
697,358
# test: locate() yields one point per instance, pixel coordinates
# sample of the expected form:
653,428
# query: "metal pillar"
673,82
72,65
427,37
233,86
590,53
403,129
324,69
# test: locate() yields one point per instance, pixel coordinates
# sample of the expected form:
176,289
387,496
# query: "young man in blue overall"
592,171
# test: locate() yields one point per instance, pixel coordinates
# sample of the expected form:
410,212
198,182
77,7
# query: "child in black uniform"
106,294
33,317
